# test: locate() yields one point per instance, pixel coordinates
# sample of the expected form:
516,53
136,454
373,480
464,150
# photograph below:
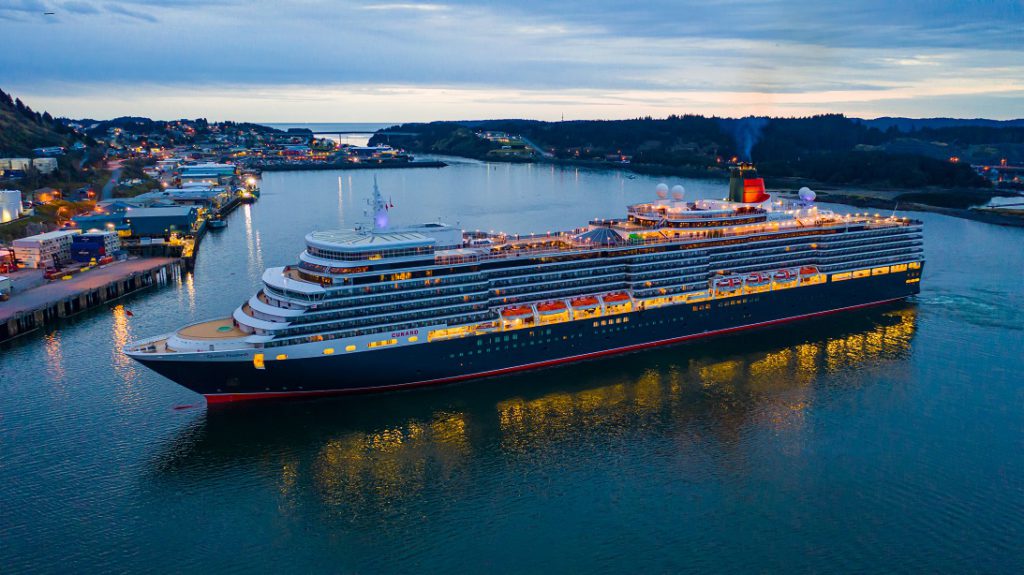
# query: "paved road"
58,290
108,189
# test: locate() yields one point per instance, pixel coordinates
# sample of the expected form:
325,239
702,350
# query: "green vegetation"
22,129
876,169
829,148
46,218
447,138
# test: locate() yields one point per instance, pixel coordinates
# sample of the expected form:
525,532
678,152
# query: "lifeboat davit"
808,271
757,278
551,307
516,311
586,301
614,298
784,275
728,283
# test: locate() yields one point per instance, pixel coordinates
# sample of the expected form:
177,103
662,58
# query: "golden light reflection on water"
390,463
123,366
254,253
768,387
186,290
54,359
775,385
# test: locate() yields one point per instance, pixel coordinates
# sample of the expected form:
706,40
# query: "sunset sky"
323,60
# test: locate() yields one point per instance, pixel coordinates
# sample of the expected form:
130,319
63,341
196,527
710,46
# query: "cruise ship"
385,308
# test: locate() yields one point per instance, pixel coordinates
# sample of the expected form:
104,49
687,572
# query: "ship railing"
567,244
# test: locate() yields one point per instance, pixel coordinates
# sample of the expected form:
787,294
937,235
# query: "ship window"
480,342
350,348
329,351
414,339
281,357
257,361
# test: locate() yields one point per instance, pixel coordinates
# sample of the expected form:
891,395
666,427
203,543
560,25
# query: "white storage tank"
45,165
10,205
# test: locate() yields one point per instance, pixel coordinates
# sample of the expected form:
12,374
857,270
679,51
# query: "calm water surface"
885,441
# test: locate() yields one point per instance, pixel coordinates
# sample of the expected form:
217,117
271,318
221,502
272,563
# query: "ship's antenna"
894,209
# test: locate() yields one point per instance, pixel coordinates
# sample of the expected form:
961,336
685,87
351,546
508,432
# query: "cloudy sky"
383,60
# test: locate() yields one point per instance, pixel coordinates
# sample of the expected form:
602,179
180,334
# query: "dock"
46,304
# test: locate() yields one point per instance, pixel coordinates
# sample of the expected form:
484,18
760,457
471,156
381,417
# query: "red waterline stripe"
233,397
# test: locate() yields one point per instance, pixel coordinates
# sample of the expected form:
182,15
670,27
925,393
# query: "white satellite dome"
662,191
806,194
678,192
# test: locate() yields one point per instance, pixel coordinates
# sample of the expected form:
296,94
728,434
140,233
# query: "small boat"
551,307
216,224
728,283
585,302
808,271
757,279
784,275
616,298
516,312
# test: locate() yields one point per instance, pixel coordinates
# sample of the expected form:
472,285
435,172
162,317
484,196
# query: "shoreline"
311,166
883,199
989,217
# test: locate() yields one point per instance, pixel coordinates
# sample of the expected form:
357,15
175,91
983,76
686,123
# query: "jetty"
31,309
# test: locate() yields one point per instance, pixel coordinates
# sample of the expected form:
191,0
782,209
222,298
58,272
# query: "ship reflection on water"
374,452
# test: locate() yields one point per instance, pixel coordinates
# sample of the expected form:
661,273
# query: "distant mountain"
22,128
914,124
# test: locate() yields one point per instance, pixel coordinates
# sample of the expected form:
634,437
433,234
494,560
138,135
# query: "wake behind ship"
382,308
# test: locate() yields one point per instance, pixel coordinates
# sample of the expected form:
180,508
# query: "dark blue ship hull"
506,352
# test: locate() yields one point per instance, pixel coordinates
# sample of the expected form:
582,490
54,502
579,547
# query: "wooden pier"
44,305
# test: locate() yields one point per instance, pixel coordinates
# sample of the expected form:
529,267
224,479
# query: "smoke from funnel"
747,132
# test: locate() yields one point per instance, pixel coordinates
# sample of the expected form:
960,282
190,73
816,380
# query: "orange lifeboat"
585,301
551,307
614,298
516,311
784,275
808,271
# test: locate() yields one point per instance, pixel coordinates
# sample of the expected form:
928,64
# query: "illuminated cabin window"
898,268
914,265
841,277
350,348
861,273
880,271
281,357
329,351
413,339
257,361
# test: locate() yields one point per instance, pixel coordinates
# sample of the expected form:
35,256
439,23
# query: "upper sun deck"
412,242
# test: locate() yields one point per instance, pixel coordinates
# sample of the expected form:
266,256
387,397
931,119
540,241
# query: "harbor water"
889,440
